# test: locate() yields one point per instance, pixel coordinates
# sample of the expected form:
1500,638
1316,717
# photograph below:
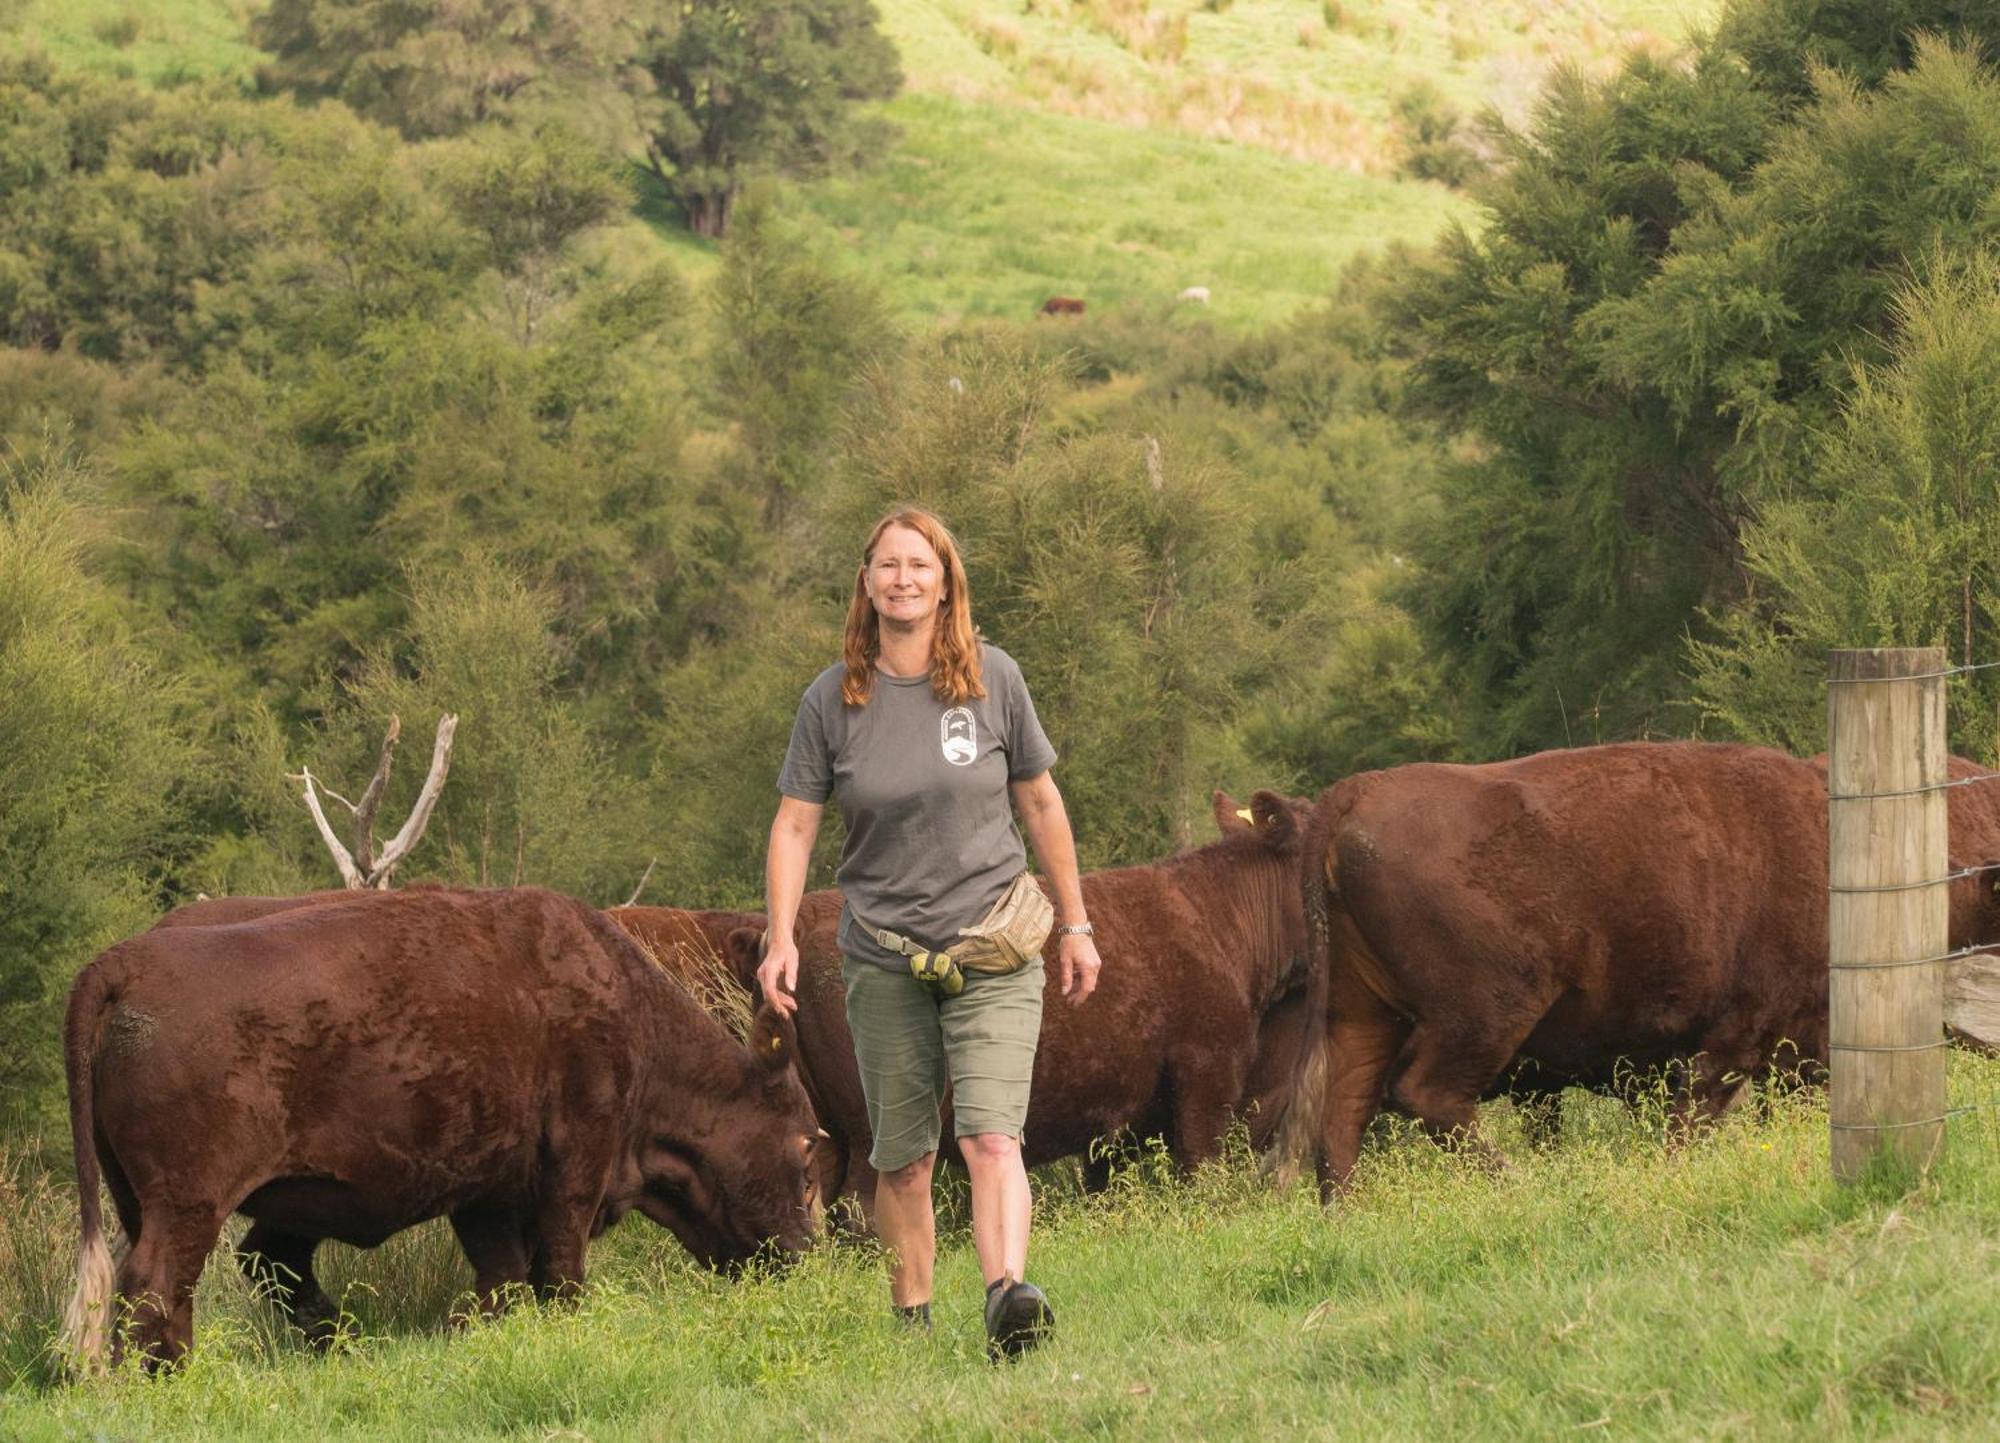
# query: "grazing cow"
1197,294
1062,306
1197,950
1523,926
347,1068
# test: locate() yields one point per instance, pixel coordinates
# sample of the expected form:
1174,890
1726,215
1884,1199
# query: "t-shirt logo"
957,737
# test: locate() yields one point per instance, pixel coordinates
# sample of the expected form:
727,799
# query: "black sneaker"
1017,1317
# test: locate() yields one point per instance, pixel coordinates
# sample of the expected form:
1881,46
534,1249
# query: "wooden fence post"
1887,905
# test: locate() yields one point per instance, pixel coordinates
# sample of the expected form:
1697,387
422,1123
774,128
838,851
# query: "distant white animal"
957,386
1195,293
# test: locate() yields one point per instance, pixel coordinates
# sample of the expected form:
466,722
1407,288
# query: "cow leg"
568,1205
1363,1040
1206,1086
858,1190
1541,1118
498,1251
1710,1084
158,1278
280,1264
1450,1068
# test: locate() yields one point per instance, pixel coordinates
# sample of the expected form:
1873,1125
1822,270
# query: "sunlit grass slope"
1607,1286
1314,79
983,209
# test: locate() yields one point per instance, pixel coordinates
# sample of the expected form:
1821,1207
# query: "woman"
923,733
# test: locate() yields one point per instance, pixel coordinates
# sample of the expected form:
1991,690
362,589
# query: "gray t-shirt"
922,787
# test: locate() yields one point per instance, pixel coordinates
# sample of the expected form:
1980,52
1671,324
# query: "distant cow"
1196,294
1527,925
1199,951
347,1068
1062,306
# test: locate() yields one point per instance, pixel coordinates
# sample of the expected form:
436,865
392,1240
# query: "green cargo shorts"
908,1040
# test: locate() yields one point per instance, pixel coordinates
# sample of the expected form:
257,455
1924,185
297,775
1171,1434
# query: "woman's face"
905,579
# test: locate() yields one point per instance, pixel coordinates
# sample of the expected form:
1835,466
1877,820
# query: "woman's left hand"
1080,966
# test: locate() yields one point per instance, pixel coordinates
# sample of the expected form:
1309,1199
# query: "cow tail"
1299,1143
87,1322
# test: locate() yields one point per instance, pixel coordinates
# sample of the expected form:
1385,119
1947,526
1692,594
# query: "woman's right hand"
778,974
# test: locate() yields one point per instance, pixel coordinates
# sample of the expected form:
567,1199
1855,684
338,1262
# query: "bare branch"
633,900
371,800
335,796
420,815
349,878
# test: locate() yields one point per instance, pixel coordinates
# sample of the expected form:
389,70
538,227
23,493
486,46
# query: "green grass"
158,41
1608,1286
986,210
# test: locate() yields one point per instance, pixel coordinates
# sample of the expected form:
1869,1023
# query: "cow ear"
1230,816
745,946
772,1042
1276,821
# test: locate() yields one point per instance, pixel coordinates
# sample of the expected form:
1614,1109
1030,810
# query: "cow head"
735,1178
1273,818
744,949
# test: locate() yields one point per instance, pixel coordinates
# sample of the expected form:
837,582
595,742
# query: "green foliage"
768,85
1891,537
793,332
1643,341
90,760
528,198
432,68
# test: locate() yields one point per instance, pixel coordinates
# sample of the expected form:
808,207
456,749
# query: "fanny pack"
1006,939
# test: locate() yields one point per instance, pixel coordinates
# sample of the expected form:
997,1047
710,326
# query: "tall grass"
1611,1284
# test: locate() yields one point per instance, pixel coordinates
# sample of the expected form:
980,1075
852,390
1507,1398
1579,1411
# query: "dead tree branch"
361,868
633,900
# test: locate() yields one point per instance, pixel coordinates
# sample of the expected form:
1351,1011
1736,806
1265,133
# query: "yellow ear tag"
776,1043
1247,815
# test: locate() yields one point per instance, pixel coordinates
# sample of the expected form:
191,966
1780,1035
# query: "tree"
437,67
767,85
91,763
1644,340
793,333
1892,538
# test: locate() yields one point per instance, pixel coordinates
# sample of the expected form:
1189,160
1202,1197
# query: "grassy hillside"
1110,149
1313,79
1610,1286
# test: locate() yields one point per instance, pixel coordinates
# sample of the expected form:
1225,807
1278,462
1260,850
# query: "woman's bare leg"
908,1229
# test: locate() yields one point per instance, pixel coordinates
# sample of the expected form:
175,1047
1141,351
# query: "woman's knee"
991,1148
911,1177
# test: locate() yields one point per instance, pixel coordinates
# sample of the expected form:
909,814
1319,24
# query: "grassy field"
1608,1286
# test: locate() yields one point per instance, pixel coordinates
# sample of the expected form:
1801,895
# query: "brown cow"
349,1068
1062,306
1526,925
1197,950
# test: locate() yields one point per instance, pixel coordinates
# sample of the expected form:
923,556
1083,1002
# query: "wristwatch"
1076,929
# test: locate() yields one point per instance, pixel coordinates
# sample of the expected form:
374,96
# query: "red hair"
954,643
